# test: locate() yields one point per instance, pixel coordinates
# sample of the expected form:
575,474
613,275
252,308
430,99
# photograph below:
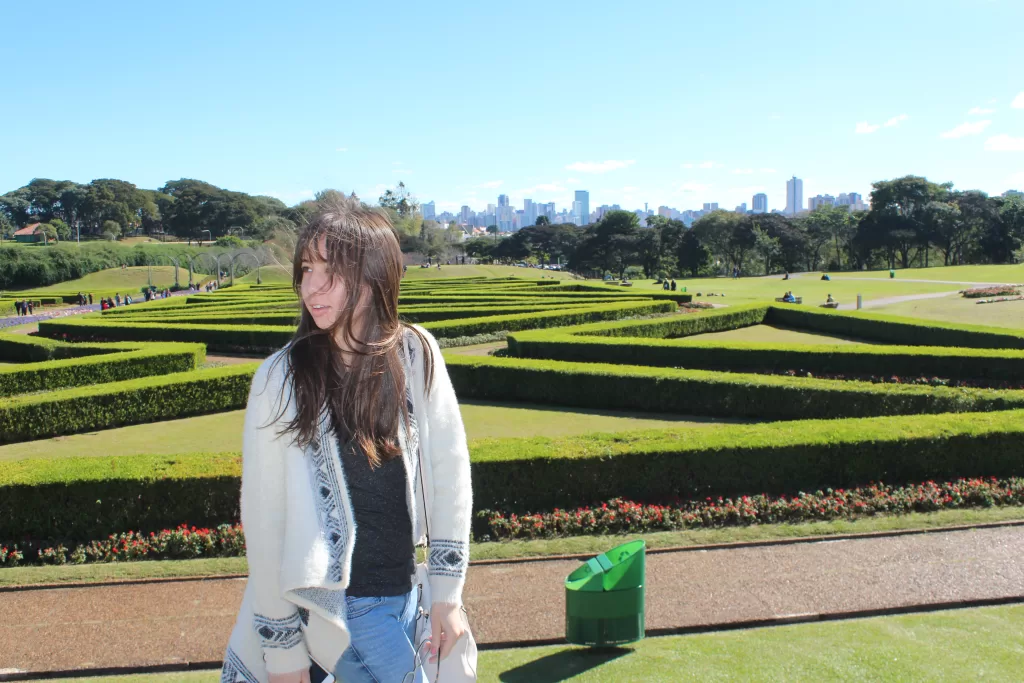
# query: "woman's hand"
446,626
293,677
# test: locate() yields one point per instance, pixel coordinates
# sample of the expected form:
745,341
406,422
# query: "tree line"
110,208
912,222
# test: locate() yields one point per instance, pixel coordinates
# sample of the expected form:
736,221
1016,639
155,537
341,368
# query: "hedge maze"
913,401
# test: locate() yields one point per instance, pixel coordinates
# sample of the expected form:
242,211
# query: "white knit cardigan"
300,530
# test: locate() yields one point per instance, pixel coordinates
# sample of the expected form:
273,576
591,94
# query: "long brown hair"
367,398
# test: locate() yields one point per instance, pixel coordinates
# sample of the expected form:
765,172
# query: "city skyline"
507,218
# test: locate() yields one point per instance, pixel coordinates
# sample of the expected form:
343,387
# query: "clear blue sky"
667,102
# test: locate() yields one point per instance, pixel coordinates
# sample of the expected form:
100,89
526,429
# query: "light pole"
208,233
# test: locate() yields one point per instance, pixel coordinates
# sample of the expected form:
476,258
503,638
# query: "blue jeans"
381,650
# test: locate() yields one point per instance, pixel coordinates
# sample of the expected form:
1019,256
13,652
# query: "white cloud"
1018,101
686,188
630,189
341,149
965,129
572,180
1004,143
599,166
396,163
767,170
492,184
401,170
979,111
775,117
865,128
743,171
703,164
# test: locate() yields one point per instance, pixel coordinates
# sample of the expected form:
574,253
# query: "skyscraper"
710,206
529,213
794,196
760,203
465,215
583,210
428,211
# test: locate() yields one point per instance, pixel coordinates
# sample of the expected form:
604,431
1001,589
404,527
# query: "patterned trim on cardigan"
326,489
234,671
448,558
279,634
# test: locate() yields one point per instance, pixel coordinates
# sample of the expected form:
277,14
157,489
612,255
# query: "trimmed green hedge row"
79,499
556,318
903,361
255,338
266,338
116,404
702,392
118,363
896,330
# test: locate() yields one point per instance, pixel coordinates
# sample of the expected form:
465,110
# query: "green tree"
62,230
111,230
766,246
399,200
542,220
898,209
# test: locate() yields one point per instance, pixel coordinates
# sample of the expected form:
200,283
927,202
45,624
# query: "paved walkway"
179,622
18,320
885,301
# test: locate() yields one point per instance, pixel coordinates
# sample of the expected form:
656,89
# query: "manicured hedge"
79,499
117,364
84,498
701,392
229,338
896,330
104,406
902,361
562,316
238,337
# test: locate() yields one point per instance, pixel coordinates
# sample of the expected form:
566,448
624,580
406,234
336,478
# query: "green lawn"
223,431
960,310
1002,274
577,545
843,287
768,334
129,280
954,645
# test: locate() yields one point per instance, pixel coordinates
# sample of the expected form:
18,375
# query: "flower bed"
982,292
623,516
181,543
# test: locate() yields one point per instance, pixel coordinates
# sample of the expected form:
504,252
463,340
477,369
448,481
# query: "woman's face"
323,296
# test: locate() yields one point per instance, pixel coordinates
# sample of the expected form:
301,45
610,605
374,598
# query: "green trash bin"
604,598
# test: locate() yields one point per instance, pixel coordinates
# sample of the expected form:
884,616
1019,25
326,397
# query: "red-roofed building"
30,233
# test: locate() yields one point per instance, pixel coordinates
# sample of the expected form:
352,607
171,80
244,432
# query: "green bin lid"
620,568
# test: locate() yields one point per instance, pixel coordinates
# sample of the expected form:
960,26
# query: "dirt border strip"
553,558
782,620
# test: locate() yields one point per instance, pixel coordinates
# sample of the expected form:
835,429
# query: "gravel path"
176,622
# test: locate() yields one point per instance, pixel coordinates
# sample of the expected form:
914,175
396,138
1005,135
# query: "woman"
353,448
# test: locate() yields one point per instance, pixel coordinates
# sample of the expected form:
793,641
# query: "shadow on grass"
562,665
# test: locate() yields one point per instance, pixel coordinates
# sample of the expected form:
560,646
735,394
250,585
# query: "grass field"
769,334
130,280
957,309
955,645
1002,274
223,431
